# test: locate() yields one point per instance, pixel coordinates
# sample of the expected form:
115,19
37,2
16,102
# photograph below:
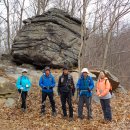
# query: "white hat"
24,70
85,70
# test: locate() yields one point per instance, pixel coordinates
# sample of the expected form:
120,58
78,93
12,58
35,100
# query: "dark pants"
87,100
23,97
67,97
105,103
44,96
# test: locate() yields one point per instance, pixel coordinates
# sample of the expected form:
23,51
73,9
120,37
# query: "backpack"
110,90
68,84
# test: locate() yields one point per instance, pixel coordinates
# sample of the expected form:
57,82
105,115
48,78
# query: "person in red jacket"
103,86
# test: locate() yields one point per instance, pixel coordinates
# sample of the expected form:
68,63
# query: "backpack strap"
106,81
43,77
20,80
68,83
110,85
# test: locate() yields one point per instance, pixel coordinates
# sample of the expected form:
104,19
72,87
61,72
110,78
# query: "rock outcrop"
52,38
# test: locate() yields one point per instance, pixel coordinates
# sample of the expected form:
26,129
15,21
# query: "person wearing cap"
47,83
23,85
85,86
66,89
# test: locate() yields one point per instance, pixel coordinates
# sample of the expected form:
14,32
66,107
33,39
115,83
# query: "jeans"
105,103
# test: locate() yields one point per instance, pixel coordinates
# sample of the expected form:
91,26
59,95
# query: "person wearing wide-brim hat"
85,86
23,85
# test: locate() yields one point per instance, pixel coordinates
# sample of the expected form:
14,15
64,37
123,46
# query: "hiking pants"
66,97
51,98
84,100
23,97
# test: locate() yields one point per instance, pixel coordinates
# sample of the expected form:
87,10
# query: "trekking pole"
77,96
20,96
89,106
17,101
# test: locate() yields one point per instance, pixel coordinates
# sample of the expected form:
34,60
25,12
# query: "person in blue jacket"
85,86
47,83
23,85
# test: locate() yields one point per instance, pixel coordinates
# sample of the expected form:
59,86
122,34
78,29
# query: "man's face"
65,72
47,72
85,74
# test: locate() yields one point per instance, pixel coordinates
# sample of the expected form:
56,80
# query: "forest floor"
14,119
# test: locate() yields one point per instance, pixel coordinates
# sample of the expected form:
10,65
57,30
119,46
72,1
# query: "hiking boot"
54,114
64,117
107,121
90,118
71,119
43,113
23,109
81,117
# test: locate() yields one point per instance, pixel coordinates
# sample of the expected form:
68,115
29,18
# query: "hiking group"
66,89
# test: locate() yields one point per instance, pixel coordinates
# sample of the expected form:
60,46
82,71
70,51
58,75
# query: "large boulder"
7,88
52,38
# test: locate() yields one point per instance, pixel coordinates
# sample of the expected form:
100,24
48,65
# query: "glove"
89,89
44,87
51,87
21,88
27,86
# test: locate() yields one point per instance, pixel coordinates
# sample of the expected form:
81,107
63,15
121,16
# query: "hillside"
13,119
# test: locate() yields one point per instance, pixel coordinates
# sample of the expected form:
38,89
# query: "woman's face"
24,73
102,75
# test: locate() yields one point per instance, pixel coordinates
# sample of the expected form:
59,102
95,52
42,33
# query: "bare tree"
38,7
83,32
70,6
41,6
119,10
6,2
21,13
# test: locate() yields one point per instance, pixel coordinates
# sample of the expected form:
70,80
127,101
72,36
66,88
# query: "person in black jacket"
66,89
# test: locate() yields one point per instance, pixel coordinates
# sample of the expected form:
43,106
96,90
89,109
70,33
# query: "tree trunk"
21,14
83,34
8,28
38,7
73,8
106,50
